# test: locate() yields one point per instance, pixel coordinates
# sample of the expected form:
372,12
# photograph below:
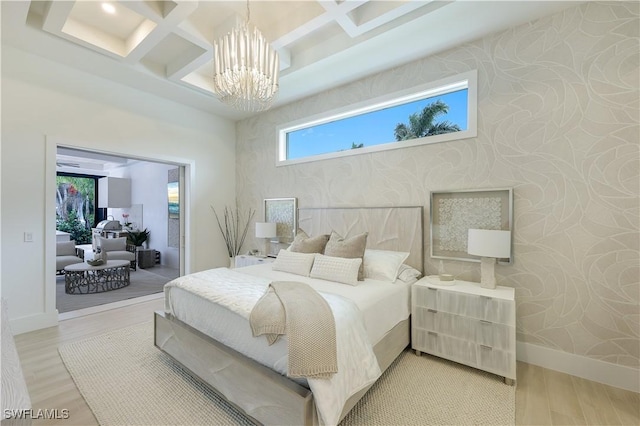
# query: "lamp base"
487,272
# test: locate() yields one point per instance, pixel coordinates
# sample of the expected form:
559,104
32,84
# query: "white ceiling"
87,162
165,47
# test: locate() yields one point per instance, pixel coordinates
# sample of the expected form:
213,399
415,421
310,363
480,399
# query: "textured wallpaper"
558,112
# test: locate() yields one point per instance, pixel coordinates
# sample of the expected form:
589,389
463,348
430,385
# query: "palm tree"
422,124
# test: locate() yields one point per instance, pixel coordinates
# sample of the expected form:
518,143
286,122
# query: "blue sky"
373,128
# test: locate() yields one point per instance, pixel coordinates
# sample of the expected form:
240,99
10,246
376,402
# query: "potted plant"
137,238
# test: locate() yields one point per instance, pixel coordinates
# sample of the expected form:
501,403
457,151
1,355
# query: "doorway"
148,210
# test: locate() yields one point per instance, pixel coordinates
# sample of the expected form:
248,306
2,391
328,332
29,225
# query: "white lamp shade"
265,229
489,243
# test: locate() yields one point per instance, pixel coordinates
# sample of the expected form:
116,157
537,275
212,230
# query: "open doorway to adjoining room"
104,201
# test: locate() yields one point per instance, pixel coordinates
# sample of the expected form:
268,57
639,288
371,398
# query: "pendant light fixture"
245,69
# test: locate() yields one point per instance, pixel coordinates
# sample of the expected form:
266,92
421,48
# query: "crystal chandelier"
246,69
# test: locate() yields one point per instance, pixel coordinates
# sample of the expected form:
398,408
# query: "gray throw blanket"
297,310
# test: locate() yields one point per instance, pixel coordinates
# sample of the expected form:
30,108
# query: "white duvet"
238,292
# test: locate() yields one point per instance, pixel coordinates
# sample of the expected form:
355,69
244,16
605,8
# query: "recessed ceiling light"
109,8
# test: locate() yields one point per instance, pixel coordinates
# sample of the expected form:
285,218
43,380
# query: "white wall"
107,117
149,188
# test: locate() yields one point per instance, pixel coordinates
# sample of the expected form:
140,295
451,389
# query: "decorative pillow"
66,248
408,275
383,265
349,248
112,244
303,243
292,262
339,269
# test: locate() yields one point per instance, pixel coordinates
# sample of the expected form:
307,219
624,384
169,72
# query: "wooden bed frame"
263,395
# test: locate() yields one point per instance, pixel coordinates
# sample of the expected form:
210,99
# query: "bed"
215,343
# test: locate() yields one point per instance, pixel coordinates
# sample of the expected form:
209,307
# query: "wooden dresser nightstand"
246,260
465,323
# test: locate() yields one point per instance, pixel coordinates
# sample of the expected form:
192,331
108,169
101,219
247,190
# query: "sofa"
117,249
66,255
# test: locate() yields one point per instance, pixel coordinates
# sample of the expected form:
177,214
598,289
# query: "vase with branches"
234,227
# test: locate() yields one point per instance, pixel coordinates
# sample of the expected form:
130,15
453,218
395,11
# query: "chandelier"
245,69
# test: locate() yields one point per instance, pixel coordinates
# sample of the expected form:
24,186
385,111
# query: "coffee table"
82,278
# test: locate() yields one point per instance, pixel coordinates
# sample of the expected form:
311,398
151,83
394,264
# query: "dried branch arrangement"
235,228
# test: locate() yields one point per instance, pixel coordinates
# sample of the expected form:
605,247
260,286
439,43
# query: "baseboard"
33,322
595,370
108,306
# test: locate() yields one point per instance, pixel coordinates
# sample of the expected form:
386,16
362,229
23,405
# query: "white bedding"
382,306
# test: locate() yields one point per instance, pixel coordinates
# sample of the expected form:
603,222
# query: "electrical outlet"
28,237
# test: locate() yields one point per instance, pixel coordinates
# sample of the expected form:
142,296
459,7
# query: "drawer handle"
433,333
485,322
487,297
433,311
489,348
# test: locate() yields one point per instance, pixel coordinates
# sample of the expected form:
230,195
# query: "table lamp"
266,230
490,245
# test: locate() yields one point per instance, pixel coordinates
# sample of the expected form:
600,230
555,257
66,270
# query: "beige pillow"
113,244
350,248
303,243
294,263
66,248
338,269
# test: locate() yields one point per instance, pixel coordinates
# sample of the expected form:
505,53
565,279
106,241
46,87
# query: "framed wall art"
173,202
284,212
453,213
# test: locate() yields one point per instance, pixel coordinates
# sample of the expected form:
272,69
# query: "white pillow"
294,262
408,275
339,269
383,265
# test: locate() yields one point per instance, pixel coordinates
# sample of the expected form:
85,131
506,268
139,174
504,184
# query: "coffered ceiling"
165,47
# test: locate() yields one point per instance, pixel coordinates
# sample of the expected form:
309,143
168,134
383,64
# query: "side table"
246,260
146,258
465,323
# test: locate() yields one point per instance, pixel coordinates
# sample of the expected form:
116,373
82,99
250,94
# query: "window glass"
75,206
425,115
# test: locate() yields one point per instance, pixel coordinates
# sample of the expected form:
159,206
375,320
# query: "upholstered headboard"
389,228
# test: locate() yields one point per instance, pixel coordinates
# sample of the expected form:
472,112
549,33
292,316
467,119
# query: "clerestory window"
436,112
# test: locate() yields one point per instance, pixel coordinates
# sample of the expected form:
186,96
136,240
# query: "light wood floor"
543,397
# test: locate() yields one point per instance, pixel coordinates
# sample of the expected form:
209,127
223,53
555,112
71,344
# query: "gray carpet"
413,391
143,283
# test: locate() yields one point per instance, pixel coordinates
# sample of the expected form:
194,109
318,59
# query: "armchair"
118,249
66,255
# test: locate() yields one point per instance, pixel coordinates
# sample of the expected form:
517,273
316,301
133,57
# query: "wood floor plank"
563,419
595,403
563,401
532,404
626,404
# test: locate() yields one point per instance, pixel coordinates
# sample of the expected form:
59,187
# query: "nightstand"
246,260
465,323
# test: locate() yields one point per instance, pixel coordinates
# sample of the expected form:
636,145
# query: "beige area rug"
127,381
